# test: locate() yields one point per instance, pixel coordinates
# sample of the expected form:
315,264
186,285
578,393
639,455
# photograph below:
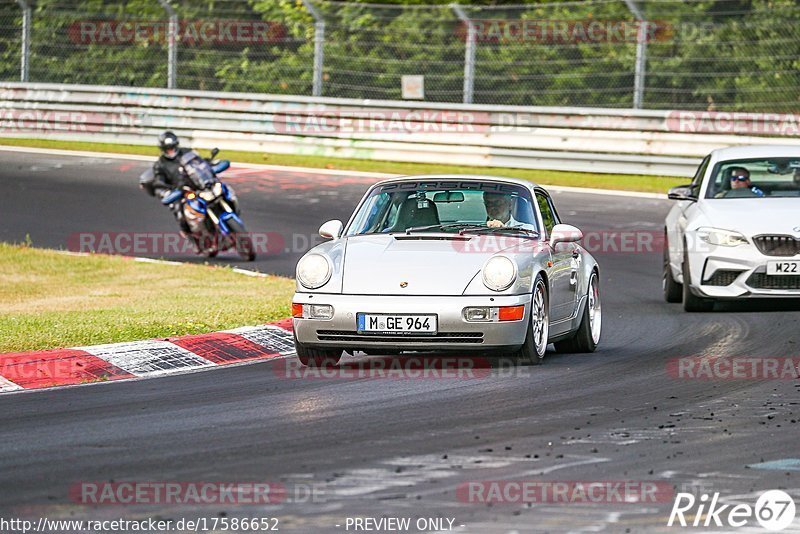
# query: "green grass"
50,299
628,182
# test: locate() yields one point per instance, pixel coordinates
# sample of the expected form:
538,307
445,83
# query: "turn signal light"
512,313
297,310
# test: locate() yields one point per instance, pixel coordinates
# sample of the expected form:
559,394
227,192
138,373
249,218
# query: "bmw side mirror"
214,152
331,229
682,192
564,233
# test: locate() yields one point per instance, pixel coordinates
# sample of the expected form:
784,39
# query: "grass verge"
50,299
627,182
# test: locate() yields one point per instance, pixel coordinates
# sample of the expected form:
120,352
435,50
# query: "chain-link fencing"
740,55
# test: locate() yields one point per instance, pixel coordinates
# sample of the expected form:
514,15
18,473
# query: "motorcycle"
210,209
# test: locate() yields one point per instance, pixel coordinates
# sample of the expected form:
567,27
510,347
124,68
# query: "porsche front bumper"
454,331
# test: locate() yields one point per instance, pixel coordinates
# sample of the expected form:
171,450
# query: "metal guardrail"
667,143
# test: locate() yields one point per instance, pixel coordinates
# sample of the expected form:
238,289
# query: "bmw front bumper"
454,332
738,272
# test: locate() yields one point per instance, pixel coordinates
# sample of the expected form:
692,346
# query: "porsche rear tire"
532,351
314,357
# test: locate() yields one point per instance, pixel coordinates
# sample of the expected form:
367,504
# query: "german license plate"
400,324
783,268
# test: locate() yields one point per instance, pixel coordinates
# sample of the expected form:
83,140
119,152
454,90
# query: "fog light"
480,314
297,310
512,313
319,311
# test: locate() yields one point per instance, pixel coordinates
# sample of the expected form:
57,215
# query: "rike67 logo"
774,510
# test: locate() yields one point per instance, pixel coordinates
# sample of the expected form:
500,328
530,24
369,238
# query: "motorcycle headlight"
499,273
217,189
313,271
723,238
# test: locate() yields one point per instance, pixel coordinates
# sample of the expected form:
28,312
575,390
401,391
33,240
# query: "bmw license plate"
401,324
783,268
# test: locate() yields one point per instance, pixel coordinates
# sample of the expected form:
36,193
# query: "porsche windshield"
445,206
755,178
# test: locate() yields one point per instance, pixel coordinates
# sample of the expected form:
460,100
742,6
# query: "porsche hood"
417,264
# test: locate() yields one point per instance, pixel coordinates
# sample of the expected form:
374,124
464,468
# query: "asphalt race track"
382,447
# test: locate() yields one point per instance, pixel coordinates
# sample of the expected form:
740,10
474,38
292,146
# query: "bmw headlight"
723,238
499,273
313,271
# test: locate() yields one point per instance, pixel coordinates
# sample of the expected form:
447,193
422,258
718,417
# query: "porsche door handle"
574,265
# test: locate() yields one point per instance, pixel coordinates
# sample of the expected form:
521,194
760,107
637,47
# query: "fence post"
641,55
319,50
25,52
469,53
172,52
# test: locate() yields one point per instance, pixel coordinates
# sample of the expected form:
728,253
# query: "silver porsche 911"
444,263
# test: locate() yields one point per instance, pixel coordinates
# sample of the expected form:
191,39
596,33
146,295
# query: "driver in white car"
740,180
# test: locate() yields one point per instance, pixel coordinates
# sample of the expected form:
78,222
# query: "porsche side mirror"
682,192
564,233
331,229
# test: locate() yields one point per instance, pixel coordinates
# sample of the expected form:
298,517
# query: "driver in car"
740,180
498,210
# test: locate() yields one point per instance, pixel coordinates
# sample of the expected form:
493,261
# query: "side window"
697,181
549,216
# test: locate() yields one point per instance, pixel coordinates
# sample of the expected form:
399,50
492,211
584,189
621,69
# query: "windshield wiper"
442,227
516,228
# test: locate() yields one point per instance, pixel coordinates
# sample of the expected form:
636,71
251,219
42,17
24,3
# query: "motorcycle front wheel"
242,240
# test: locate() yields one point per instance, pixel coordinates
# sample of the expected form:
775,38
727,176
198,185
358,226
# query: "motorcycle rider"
168,174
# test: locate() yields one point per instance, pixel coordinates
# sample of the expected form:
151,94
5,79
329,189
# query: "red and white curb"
144,359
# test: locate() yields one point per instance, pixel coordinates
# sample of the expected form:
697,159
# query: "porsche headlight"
313,271
499,273
723,238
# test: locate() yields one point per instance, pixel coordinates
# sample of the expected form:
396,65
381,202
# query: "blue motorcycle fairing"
223,221
221,166
171,197
197,204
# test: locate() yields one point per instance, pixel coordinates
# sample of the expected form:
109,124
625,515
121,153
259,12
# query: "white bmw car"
734,232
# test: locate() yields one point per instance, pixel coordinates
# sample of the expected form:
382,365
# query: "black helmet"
166,141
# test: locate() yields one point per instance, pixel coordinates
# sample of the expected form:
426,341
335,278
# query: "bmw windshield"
445,206
755,178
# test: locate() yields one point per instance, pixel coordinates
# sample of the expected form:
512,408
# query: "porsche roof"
469,177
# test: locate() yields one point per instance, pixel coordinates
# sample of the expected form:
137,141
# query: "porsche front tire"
532,351
311,357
